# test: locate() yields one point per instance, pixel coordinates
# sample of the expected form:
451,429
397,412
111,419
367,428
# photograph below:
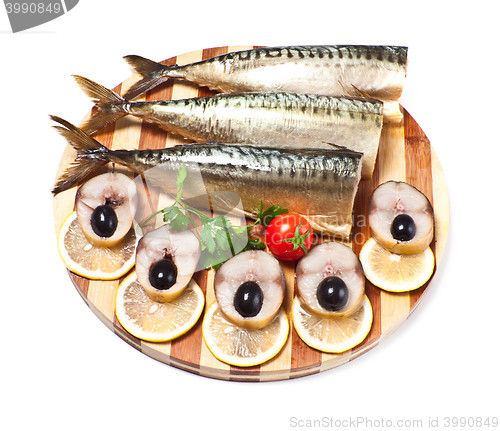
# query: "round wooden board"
405,154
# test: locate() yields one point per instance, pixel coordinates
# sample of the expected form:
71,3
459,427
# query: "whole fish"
330,70
318,184
283,120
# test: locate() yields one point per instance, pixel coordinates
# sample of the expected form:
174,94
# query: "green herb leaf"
260,210
213,260
181,176
267,216
254,244
222,221
216,232
207,240
298,239
176,218
240,230
222,239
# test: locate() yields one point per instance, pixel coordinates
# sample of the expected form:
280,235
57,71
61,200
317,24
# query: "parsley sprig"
217,235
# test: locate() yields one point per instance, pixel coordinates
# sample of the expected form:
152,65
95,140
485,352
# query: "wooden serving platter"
405,154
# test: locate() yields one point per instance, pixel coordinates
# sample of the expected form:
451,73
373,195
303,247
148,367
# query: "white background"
61,368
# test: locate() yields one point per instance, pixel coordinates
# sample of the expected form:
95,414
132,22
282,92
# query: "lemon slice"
332,334
95,262
242,347
157,321
395,272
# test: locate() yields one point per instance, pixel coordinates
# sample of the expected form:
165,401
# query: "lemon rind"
322,346
93,274
389,286
245,362
137,332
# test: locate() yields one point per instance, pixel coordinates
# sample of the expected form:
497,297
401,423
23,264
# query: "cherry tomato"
289,236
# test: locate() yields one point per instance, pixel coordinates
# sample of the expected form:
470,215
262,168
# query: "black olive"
248,299
163,274
332,293
403,228
104,221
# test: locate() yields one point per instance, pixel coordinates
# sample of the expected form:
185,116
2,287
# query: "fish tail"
110,106
153,74
90,156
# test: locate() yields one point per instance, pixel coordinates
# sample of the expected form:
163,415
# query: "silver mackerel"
282,120
373,71
318,184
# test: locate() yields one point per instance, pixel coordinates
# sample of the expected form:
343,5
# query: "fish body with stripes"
319,184
280,120
369,71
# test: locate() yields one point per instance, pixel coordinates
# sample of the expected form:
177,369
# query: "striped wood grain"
404,154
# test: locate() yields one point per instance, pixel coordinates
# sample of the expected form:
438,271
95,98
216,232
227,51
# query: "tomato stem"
298,239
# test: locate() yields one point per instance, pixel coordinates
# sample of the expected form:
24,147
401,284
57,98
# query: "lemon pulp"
155,321
332,334
395,272
243,347
96,262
